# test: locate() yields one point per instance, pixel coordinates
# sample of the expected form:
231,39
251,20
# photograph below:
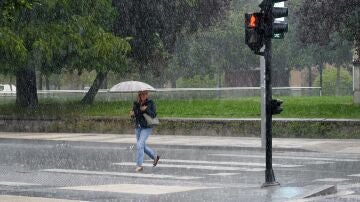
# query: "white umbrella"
131,86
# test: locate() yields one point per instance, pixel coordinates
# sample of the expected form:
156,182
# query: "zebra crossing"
210,169
205,169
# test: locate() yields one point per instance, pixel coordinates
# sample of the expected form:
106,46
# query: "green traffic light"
278,36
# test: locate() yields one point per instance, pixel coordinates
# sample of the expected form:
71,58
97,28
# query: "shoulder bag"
151,121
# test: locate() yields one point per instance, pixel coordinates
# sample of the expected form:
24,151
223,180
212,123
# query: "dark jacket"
139,118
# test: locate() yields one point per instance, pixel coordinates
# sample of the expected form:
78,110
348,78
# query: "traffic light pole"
260,28
269,173
263,101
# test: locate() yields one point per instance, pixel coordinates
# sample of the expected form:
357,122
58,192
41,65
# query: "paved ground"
99,167
318,145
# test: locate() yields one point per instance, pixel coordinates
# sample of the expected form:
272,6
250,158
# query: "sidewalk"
293,187
318,145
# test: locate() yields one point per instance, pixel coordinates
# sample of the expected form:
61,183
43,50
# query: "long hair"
139,97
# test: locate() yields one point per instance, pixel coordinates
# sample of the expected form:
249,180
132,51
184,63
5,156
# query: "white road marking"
136,188
228,163
348,186
141,175
10,198
352,197
201,167
354,175
330,180
287,157
224,174
84,138
16,183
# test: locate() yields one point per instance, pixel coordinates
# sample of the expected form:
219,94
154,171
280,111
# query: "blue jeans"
142,135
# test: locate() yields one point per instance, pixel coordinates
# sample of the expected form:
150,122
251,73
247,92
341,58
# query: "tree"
156,25
106,53
318,20
222,48
14,53
213,50
88,43
314,44
66,34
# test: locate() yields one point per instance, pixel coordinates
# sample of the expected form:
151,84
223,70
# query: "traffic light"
275,10
279,27
254,32
276,106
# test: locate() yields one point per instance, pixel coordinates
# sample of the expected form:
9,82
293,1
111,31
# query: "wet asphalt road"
78,171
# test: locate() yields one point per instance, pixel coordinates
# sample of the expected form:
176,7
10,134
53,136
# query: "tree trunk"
40,81
321,66
90,95
173,83
218,82
310,76
47,82
105,83
26,91
337,90
218,78
10,82
356,72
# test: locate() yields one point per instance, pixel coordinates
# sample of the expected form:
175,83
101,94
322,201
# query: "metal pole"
263,99
269,173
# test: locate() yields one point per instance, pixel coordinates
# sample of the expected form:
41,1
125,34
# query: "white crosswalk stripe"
232,163
137,188
330,180
201,167
123,174
224,174
11,198
288,157
6,183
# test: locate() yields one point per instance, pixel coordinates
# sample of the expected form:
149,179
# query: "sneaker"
139,169
156,160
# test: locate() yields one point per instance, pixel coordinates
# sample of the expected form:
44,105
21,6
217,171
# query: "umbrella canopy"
131,86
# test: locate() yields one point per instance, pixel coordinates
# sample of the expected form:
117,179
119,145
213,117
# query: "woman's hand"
143,108
132,113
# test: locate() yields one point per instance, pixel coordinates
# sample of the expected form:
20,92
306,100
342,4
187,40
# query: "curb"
320,191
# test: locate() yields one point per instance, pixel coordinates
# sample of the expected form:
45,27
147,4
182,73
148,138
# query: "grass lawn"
294,107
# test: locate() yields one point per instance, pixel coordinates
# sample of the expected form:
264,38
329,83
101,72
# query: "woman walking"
142,129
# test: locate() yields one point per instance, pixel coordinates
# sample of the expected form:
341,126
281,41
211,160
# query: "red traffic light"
252,20
254,31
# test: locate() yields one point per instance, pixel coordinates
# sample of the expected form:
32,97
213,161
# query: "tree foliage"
318,20
12,50
222,48
60,35
156,25
216,49
9,7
